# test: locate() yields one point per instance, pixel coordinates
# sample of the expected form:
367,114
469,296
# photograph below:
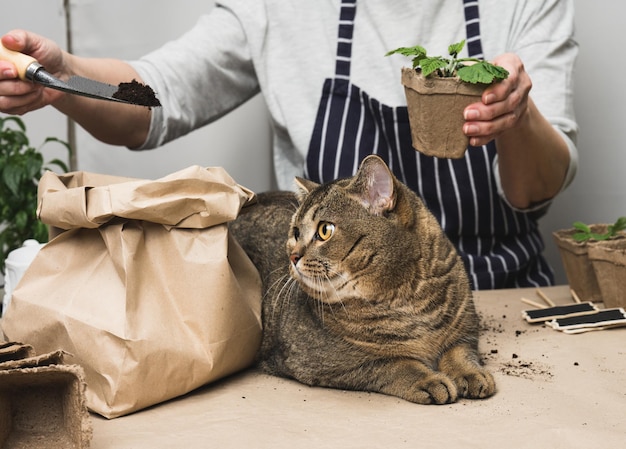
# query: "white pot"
15,266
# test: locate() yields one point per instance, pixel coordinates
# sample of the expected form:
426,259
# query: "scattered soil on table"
527,370
137,93
513,364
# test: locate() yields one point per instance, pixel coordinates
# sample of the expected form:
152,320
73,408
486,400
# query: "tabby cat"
367,294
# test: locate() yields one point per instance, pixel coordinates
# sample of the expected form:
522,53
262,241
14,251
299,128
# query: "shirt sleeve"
199,77
543,38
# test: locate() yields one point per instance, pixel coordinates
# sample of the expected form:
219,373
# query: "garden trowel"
29,69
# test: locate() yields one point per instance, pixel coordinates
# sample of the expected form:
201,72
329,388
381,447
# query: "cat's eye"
296,233
325,231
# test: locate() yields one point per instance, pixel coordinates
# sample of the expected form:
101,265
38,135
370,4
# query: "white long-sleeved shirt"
285,49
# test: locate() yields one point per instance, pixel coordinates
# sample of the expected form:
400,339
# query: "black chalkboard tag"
600,320
551,313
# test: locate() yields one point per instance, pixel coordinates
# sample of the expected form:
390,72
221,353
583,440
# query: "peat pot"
435,106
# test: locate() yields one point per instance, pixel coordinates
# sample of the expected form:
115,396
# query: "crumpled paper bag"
142,284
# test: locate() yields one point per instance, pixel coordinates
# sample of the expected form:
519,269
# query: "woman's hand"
110,122
533,158
503,105
18,97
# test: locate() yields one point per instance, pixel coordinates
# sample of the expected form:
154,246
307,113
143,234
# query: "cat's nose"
294,258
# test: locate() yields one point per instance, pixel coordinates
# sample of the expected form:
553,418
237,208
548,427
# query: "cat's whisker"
343,277
293,289
338,274
282,284
320,303
339,300
287,291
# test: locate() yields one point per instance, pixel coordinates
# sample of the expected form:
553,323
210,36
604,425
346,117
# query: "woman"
333,98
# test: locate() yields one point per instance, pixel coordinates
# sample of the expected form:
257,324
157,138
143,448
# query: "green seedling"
584,233
469,70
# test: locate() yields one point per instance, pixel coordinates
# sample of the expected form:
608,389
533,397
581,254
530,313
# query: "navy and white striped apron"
501,248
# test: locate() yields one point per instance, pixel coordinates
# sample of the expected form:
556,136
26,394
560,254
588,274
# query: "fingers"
18,97
13,41
503,104
7,70
30,44
481,133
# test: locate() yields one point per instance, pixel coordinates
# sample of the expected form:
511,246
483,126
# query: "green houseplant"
437,90
594,260
21,166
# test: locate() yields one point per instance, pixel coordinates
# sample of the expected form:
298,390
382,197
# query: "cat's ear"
304,187
374,185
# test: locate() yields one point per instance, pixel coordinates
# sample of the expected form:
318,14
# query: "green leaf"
416,51
619,225
59,141
581,236
12,176
32,168
18,121
499,73
482,72
455,49
21,218
429,65
41,232
59,163
581,226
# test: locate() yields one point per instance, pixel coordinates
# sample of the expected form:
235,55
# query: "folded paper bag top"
194,197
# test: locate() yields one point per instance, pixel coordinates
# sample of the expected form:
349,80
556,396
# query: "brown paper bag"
145,287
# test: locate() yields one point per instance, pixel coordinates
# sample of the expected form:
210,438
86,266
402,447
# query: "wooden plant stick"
547,300
533,303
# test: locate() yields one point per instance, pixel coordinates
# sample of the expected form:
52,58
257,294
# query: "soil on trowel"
137,93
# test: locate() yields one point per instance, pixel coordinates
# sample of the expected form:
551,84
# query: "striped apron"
500,247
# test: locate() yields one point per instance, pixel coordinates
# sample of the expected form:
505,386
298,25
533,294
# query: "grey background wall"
240,142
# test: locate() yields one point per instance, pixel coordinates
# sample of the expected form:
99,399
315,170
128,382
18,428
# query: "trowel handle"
26,65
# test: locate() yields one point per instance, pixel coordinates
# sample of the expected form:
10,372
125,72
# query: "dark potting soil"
137,93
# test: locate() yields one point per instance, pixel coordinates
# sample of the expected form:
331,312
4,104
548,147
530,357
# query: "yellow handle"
20,60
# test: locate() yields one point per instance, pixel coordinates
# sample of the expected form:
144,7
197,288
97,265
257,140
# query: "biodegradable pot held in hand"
435,107
437,91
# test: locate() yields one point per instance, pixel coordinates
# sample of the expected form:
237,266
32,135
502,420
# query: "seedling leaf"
429,65
455,49
584,233
619,225
581,236
415,51
481,72
581,226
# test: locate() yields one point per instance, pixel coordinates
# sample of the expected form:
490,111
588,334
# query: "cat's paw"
436,389
478,384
